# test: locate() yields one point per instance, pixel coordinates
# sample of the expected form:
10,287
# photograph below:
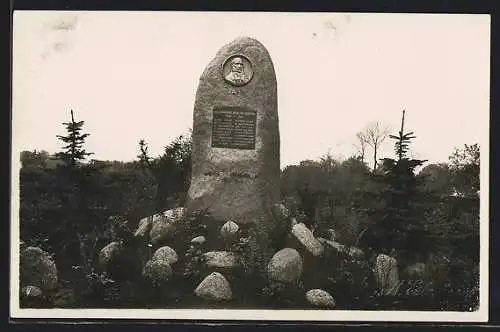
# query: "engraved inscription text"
233,128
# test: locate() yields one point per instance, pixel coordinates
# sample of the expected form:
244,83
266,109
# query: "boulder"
214,287
166,255
320,298
306,238
157,272
198,240
221,259
229,230
109,255
164,225
37,269
285,266
386,274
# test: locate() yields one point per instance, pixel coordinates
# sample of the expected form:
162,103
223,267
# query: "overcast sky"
133,75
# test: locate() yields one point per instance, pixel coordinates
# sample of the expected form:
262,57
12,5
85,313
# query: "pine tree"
75,192
73,152
397,220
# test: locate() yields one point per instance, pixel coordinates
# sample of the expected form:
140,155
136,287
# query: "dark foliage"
396,222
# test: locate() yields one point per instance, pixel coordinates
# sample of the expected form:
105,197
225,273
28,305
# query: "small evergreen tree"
73,151
78,225
396,225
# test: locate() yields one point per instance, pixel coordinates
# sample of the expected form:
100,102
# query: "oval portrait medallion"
237,70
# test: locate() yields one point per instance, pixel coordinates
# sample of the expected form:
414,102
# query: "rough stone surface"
351,251
236,184
307,239
164,225
214,287
320,298
386,274
157,272
37,269
166,255
285,266
198,240
221,259
229,230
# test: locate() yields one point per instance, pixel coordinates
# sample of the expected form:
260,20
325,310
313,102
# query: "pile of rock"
285,267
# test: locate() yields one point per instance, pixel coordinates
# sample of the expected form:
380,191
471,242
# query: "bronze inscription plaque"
233,128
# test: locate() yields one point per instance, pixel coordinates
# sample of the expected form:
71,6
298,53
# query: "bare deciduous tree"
375,134
361,145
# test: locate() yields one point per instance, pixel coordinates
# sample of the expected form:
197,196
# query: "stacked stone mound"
286,268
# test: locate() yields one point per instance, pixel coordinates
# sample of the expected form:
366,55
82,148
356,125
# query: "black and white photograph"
250,166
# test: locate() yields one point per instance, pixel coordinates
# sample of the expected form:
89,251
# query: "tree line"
72,208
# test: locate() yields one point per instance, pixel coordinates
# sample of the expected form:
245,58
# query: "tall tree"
396,222
73,152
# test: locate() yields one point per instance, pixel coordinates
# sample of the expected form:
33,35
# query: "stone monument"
236,142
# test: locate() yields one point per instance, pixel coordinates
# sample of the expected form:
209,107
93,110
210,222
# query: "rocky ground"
214,267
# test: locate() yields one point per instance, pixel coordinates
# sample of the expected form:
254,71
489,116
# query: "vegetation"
417,213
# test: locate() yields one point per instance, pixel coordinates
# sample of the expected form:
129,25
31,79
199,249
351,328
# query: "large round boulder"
37,269
166,255
214,287
285,266
157,272
320,298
